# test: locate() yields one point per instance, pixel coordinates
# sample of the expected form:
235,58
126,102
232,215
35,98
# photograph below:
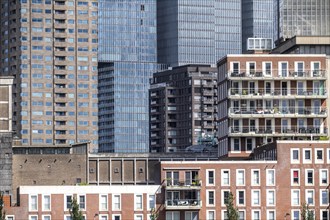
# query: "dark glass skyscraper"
258,20
197,32
127,59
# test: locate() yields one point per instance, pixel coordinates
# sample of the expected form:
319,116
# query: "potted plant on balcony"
244,92
195,182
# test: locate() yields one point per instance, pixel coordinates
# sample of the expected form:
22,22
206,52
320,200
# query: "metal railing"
183,202
278,73
183,183
301,111
278,130
277,92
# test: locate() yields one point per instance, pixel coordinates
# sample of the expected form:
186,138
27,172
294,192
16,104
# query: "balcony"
175,184
251,93
277,131
183,204
282,112
276,74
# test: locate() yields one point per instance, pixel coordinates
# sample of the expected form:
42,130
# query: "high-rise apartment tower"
50,47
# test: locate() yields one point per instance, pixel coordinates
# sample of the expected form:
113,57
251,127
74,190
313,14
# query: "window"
270,175
103,202
255,198
325,215
267,68
295,214
68,201
10,217
210,177
82,202
256,215
210,198
138,217
255,177
324,197
295,197
138,202
225,197
116,202
309,177
173,215
225,178
271,215
307,156
294,155
152,202
324,177
328,157
172,178
33,217
33,203
191,215
103,217
116,217
318,156
310,197
46,203
240,178
294,177
237,144
240,197
46,217
210,215
270,197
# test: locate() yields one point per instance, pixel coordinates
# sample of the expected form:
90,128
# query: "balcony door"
300,87
284,88
268,125
172,197
285,125
191,215
316,106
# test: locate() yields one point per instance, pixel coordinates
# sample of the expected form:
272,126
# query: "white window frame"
294,161
274,197
232,66
293,211
253,197
292,176
306,197
65,201
327,175
78,201
244,213
253,183
104,215
207,197
280,68
32,216
233,145
222,180
292,201
43,202
327,211
223,197
172,214
319,161
237,197
264,68
136,215
273,210
252,213
268,171
100,202
148,205
136,200
328,155
10,216
66,217
114,215
296,65
30,202
207,177
306,160
214,214
113,202
43,217
327,193
237,177
306,177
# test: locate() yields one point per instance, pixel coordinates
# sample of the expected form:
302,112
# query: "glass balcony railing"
277,92
277,130
277,73
280,111
183,183
183,203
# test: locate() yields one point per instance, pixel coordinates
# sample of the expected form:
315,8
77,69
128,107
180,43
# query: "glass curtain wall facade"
303,17
197,32
258,20
127,43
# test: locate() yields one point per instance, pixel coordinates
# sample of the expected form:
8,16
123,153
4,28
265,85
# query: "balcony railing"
277,73
176,183
183,204
277,92
277,130
280,112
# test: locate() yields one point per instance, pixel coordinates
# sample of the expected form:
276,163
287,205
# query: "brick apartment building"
266,97
272,185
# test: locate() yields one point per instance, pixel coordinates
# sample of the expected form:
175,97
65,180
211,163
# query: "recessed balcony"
274,131
183,204
270,93
282,112
176,184
276,74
